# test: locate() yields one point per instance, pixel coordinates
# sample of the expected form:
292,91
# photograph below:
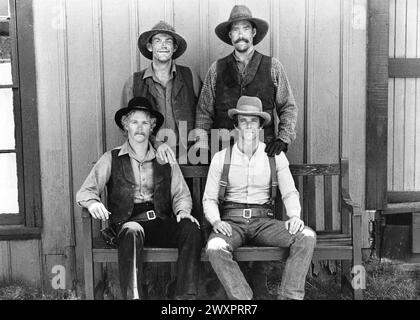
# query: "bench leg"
88,259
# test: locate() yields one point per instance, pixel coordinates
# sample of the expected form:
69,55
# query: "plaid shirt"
285,103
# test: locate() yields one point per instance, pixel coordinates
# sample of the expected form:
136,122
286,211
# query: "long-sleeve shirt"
249,182
143,175
284,102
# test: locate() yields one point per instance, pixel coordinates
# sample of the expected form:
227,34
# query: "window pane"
8,184
7,124
4,8
5,64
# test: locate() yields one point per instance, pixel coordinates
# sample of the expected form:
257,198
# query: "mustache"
241,39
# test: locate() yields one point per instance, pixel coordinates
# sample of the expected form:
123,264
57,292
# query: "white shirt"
249,181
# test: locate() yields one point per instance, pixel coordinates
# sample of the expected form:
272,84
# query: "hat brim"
122,112
265,115
222,30
145,37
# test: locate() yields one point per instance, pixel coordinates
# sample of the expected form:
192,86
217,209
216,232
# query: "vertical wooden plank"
416,232
400,95
354,96
287,31
324,90
410,101
187,14
25,262
115,51
417,115
328,198
219,11
261,9
51,54
377,88
86,96
391,97
150,12
5,268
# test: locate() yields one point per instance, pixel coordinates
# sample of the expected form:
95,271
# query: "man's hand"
184,215
98,211
294,224
166,153
223,228
275,147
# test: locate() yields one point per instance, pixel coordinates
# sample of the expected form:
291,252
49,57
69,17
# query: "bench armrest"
347,204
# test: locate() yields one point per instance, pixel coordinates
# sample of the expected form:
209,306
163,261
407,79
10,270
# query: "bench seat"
339,243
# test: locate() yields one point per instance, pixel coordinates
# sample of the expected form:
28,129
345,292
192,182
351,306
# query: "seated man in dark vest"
172,89
149,204
238,202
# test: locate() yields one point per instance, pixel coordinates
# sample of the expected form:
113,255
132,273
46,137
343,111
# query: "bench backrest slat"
312,181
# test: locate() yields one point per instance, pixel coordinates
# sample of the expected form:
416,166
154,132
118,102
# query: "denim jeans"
168,233
261,232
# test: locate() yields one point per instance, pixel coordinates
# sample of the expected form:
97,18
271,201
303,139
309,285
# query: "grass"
385,281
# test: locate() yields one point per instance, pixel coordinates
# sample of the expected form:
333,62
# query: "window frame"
27,223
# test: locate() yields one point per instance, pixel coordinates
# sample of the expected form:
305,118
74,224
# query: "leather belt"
144,216
248,213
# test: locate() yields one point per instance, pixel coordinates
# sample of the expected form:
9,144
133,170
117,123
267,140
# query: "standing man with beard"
172,89
247,72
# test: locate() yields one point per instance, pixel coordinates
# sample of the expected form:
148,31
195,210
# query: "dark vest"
184,100
121,188
256,83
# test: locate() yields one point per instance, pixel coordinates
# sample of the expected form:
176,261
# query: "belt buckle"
151,217
247,213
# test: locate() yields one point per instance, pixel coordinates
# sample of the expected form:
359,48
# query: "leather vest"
121,188
184,101
230,86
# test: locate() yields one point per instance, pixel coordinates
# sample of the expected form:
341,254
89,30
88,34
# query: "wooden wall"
404,99
85,50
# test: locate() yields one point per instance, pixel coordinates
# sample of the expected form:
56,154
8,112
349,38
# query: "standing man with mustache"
171,88
247,72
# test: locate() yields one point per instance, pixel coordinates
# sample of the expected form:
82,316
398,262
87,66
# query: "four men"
147,199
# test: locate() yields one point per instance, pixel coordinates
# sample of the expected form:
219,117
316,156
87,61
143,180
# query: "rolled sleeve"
285,103
95,182
211,192
181,196
290,195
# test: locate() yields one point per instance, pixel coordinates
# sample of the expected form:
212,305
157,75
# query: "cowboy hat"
142,104
250,106
238,13
161,27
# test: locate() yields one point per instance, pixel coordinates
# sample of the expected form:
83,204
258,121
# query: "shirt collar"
248,57
151,73
127,149
260,149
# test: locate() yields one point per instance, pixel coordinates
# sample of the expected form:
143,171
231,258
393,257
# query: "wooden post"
377,105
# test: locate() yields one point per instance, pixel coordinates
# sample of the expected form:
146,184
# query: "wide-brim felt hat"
142,104
250,106
238,13
161,27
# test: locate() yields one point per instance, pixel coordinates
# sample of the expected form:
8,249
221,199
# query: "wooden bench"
343,244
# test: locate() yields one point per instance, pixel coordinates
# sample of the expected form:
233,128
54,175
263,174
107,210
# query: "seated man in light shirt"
149,203
238,203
